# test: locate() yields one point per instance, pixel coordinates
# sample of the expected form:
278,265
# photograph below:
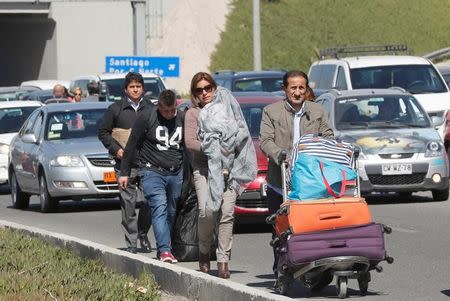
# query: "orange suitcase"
295,217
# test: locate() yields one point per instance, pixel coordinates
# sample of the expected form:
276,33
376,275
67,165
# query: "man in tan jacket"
282,124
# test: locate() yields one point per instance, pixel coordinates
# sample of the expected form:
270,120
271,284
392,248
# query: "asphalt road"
419,244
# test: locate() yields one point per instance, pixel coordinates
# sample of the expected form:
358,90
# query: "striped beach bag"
329,150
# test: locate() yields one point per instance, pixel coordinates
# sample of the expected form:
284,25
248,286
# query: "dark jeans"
163,192
134,226
274,201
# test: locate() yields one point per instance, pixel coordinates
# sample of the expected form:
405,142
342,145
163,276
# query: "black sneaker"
145,244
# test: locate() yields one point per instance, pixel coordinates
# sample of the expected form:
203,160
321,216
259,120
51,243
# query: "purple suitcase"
366,240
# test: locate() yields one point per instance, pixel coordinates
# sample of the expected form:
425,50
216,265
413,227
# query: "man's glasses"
200,90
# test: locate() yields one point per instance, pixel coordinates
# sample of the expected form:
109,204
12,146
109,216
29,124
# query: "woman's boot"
223,271
203,262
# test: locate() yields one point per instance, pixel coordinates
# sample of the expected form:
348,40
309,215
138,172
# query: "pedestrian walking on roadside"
156,141
223,161
282,125
113,132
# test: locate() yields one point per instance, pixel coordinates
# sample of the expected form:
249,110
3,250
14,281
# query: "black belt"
172,169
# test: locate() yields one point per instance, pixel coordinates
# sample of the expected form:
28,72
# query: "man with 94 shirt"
157,142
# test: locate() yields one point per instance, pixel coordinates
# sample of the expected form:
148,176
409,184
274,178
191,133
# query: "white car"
153,84
44,84
416,75
12,115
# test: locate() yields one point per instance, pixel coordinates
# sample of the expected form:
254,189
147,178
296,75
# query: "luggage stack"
320,238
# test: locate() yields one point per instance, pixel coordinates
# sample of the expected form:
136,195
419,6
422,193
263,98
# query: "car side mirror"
29,138
437,121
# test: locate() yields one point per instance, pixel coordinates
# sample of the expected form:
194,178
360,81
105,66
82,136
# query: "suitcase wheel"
274,241
387,229
283,284
389,259
341,286
284,235
283,210
271,219
363,282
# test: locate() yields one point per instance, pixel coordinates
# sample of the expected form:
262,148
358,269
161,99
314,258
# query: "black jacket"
119,115
155,143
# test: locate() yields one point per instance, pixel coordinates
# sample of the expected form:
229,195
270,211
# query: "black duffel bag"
185,235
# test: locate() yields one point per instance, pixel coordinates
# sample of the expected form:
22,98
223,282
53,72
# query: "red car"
252,204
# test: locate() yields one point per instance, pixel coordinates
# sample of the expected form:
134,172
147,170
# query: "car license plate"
264,189
109,177
396,169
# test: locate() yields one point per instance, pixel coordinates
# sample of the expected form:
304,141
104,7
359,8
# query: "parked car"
252,204
445,72
401,150
153,84
58,156
12,115
44,84
8,93
416,75
250,81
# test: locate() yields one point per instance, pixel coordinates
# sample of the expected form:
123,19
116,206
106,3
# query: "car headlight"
4,149
67,161
434,149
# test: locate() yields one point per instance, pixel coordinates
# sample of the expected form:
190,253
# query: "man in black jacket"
157,141
113,133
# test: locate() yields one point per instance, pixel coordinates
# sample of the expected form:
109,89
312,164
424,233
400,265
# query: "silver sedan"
57,156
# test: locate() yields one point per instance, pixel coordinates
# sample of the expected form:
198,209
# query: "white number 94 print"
162,134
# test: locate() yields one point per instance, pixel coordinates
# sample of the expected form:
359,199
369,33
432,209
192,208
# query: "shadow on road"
252,228
394,198
81,206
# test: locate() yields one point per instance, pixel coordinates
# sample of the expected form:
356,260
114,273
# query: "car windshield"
252,114
379,111
259,84
73,124
415,79
152,87
11,119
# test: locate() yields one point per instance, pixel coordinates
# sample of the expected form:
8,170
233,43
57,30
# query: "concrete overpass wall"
86,32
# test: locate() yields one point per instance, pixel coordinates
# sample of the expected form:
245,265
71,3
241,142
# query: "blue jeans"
163,194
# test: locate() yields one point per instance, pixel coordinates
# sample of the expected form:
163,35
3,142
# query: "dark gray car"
57,156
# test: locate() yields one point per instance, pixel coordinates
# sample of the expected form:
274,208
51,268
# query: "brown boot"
223,271
203,262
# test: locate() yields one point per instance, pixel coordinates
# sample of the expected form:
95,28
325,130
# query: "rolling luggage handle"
327,185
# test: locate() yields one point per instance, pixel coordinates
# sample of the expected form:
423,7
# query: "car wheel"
20,199
48,204
440,195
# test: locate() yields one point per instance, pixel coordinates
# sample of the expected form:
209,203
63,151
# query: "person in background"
93,88
282,125
77,93
156,141
118,119
218,177
59,91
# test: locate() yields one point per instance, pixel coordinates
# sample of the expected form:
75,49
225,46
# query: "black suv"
267,80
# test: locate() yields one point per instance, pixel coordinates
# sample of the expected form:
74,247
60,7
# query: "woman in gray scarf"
223,161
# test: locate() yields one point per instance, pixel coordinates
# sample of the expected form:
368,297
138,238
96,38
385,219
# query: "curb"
174,279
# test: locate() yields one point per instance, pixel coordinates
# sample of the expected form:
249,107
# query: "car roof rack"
224,71
345,51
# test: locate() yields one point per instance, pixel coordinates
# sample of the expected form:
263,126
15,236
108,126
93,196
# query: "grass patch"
291,30
31,269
